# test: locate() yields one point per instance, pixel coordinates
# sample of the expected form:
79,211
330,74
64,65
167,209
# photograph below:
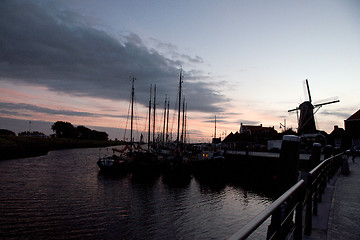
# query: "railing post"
316,196
315,155
328,151
325,175
275,225
299,214
308,200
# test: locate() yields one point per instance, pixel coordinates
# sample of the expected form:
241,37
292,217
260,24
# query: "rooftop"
355,116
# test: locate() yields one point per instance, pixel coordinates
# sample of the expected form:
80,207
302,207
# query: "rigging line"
146,121
173,117
167,121
127,119
144,126
154,116
163,132
149,119
185,122
118,128
136,128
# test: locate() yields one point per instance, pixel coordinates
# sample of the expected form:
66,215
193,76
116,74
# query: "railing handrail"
262,216
324,162
259,219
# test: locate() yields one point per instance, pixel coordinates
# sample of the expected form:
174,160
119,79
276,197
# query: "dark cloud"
223,118
249,122
340,114
17,109
42,43
172,50
14,113
217,120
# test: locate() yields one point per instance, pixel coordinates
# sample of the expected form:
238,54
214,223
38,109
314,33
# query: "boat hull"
108,164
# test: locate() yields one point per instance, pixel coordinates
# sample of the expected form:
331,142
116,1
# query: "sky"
243,61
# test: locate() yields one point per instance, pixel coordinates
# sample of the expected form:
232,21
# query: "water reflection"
63,195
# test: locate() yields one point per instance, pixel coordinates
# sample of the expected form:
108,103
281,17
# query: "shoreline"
13,147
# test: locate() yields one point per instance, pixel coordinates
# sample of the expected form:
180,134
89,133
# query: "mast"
178,128
215,128
154,114
163,133
183,122
132,112
149,117
167,121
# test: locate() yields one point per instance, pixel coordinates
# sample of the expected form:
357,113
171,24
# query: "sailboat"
177,167
120,163
116,163
146,164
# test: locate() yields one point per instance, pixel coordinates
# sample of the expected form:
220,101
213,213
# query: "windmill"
306,123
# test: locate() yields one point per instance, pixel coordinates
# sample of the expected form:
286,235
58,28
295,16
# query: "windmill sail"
306,124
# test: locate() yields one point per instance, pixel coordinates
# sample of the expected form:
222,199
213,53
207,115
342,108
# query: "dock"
338,213
323,204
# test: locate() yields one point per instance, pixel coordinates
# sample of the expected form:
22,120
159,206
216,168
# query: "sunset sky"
243,61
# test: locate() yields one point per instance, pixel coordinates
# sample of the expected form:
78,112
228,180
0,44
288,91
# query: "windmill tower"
306,123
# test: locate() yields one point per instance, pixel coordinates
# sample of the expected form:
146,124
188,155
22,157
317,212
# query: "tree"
101,136
33,134
64,130
67,130
86,133
83,132
5,132
289,131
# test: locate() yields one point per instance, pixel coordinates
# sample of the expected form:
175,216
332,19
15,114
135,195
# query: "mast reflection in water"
62,195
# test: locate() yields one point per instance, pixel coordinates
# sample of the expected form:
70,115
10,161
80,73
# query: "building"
253,137
338,137
257,130
352,128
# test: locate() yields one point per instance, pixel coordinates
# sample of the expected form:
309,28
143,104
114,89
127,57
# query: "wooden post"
299,215
327,151
308,213
287,176
288,162
315,155
316,200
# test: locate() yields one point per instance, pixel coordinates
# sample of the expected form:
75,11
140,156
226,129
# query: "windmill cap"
291,138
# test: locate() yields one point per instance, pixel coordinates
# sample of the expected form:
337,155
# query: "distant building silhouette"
338,137
216,140
252,137
257,130
352,127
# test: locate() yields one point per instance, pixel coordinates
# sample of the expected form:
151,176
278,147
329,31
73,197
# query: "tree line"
67,130
63,130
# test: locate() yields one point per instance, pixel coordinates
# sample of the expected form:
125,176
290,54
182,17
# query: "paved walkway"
339,212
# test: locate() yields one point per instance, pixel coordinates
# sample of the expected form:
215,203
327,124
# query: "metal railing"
287,211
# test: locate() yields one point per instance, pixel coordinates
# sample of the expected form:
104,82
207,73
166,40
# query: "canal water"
63,196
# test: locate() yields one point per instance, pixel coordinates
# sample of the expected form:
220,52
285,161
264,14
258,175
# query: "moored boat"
115,163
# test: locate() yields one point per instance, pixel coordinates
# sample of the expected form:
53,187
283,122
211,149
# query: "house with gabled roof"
352,128
338,137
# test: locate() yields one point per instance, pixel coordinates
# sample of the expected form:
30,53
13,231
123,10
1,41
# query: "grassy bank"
21,147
